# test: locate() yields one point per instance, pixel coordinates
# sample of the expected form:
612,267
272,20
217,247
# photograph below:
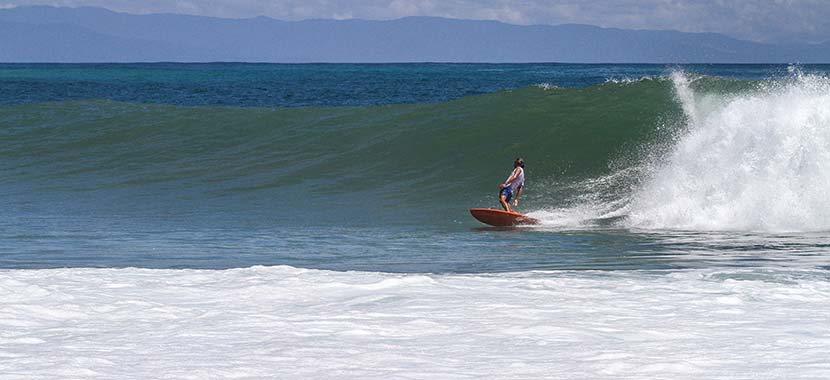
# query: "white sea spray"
758,160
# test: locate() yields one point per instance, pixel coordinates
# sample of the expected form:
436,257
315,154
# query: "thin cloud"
759,20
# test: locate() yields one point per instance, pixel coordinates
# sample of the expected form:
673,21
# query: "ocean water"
311,221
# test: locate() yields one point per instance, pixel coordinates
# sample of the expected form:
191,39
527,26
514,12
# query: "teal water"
373,167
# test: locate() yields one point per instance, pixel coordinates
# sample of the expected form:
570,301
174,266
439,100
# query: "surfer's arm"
518,195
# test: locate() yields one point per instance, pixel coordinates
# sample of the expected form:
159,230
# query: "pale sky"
758,20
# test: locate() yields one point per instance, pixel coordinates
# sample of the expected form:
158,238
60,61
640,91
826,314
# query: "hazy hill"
49,34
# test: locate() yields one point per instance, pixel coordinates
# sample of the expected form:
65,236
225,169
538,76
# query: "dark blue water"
284,85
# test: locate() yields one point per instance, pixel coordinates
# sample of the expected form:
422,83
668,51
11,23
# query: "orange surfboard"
501,218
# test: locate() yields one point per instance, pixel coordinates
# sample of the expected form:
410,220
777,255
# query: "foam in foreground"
283,322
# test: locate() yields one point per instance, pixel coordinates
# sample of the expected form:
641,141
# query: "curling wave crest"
757,160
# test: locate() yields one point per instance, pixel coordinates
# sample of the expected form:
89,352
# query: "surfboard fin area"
500,218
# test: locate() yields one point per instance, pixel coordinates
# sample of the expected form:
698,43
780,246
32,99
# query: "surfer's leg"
504,202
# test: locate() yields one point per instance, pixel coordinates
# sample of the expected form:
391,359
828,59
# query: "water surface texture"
311,221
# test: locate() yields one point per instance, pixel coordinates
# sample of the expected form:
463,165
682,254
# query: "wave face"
215,158
685,151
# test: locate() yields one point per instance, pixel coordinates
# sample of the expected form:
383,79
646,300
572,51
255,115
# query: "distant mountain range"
50,34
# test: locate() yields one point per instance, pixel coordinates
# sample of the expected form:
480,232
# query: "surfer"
514,185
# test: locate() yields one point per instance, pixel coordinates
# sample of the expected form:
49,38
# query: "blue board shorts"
508,195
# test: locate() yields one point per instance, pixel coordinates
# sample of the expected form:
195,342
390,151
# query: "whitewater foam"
546,86
629,80
284,322
756,161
